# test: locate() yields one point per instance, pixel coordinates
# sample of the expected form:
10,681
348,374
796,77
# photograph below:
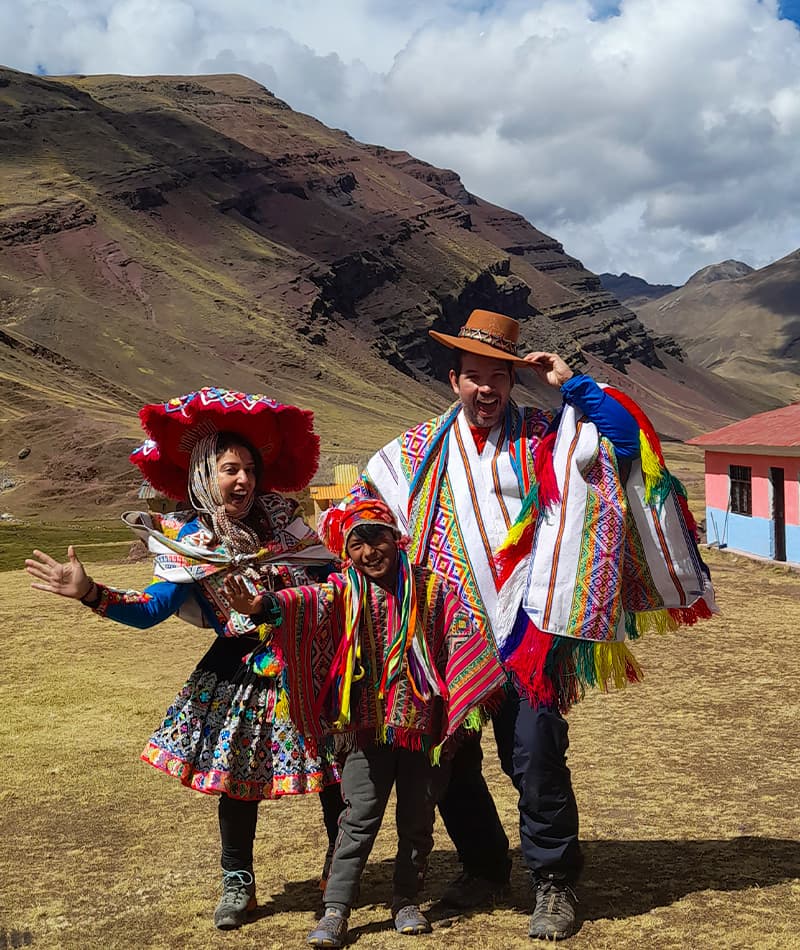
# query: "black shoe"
238,899
553,916
410,920
468,891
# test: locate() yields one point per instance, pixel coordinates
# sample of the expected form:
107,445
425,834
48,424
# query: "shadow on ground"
621,879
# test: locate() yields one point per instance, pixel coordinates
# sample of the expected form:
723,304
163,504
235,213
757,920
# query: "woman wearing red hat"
228,731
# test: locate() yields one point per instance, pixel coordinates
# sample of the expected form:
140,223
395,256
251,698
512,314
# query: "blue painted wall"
793,543
751,535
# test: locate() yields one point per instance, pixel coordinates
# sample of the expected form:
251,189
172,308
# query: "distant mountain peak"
725,270
739,321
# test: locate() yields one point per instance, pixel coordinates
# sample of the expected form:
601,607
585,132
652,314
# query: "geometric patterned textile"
221,736
605,563
597,601
312,630
602,543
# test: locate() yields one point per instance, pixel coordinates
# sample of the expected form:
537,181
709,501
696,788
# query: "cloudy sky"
651,136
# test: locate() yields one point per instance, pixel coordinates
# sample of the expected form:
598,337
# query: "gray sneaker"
238,898
553,916
411,920
331,931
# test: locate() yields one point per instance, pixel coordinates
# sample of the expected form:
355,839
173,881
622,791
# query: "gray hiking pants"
367,779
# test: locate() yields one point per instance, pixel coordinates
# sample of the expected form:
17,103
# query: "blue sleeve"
145,608
612,420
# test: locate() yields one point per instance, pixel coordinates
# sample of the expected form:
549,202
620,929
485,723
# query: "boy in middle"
384,659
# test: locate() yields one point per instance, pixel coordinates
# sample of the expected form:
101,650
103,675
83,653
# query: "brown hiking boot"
553,916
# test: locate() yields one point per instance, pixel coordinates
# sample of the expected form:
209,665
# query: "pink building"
753,484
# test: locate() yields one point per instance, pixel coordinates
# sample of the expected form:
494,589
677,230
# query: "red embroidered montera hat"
336,524
282,434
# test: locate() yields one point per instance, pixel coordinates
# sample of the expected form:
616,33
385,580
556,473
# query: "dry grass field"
687,786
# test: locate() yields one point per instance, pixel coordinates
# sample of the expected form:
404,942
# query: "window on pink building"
741,489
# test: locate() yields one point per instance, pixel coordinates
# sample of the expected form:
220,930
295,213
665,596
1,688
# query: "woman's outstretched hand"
240,597
67,580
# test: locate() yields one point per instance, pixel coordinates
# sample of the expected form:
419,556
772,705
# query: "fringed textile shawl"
601,564
182,553
311,633
623,561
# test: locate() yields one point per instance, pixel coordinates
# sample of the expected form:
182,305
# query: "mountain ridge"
633,291
744,324
162,233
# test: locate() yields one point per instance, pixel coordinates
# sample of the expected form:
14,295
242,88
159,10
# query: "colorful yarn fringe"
542,496
657,480
406,644
268,659
556,671
519,540
545,472
334,746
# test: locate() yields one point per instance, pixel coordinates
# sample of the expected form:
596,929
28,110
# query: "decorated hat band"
487,334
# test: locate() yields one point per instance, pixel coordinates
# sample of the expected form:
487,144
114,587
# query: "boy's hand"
240,597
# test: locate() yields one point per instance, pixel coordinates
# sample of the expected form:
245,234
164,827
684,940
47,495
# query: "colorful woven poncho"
313,632
406,651
618,552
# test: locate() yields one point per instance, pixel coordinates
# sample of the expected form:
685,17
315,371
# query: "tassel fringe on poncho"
591,563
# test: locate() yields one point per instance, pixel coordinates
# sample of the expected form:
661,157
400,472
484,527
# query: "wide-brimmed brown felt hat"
486,334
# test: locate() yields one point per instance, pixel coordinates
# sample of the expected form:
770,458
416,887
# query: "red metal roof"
779,428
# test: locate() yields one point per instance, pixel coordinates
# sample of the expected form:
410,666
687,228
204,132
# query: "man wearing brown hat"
456,484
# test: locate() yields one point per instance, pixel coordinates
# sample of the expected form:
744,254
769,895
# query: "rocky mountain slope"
742,323
159,234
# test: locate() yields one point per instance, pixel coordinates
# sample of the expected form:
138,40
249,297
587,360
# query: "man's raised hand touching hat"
549,367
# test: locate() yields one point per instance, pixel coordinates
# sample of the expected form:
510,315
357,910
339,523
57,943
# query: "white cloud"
653,136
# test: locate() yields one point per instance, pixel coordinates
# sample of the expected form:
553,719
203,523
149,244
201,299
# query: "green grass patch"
94,540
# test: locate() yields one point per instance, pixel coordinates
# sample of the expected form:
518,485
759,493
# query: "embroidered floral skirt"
228,731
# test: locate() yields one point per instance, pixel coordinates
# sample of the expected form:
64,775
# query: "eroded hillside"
159,234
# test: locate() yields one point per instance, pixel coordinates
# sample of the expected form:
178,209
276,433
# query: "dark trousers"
470,816
367,779
237,826
532,744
